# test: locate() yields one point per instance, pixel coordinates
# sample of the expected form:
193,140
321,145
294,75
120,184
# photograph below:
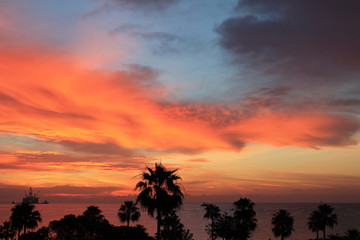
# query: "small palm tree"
283,224
128,211
212,212
328,218
314,223
24,217
321,218
159,192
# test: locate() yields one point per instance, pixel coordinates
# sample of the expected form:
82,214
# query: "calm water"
191,215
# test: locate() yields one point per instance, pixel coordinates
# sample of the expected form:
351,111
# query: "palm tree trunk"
317,233
324,233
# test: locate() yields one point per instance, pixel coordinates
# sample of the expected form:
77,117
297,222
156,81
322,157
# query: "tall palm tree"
321,218
128,211
245,218
212,212
327,216
283,224
24,217
314,223
159,192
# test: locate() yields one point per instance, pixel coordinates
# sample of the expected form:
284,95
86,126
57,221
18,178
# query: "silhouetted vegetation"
159,193
239,226
173,229
92,225
351,234
7,231
24,217
283,224
161,196
128,212
212,212
321,218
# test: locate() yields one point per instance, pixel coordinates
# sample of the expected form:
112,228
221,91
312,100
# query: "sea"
192,217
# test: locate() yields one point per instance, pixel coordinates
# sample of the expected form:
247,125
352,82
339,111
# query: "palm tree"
160,192
91,223
283,224
245,218
24,217
212,212
321,218
314,223
93,212
328,218
128,211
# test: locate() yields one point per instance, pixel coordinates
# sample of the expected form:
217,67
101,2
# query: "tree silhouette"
7,231
160,192
328,217
321,218
212,212
314,223
65,228
244,218
24,217
92,223
174,229
283,224
128,211
225,227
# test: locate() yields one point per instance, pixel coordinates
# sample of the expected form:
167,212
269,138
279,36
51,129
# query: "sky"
247,98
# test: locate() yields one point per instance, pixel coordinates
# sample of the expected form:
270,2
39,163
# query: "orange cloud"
48,96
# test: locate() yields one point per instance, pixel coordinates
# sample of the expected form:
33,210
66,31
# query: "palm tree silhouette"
328,217
212,212
24,217
128,211
314,223
160,192
91,223
93,212
321,218
283,224
245,218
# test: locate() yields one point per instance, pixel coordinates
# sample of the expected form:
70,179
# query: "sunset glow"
89,97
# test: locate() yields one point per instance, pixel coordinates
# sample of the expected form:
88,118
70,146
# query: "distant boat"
13,202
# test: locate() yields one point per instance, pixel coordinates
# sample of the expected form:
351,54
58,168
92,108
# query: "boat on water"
31,198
